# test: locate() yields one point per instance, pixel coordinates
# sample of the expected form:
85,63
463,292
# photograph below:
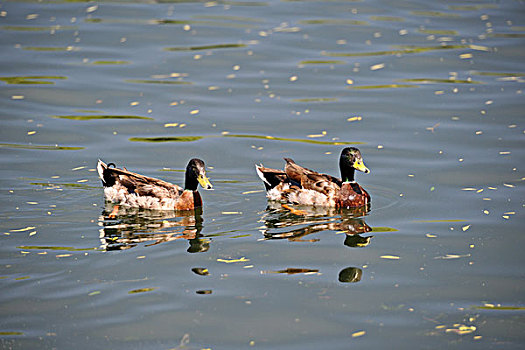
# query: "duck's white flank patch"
100,170
260,173
119,195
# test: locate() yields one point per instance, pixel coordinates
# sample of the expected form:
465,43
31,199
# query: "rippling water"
431,92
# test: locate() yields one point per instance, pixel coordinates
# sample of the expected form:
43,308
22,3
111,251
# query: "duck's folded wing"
319,182
294,171
300,174
143,185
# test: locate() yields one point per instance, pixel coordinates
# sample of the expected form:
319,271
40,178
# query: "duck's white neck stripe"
349,182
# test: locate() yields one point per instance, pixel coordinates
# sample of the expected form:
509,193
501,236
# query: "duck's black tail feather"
107,177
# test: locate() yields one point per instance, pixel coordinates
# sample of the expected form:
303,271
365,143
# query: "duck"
130,189
302,186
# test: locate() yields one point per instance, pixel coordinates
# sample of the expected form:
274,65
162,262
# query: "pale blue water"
431,92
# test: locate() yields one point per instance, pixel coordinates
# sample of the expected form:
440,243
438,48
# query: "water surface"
431,92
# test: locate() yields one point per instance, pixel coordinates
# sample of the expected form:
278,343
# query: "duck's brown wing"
310,179
320,183
136,183
295,172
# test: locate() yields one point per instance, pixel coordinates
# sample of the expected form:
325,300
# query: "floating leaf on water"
405,49
294,139
23,229
11,333
39,28
166,139
142,290
439,81
92,8
40,147
317,135
250,192
205,47
461,329
390,257
71,249
169,82
108,62
469,7
63,255
50,48
358,334
334,21
321,62
230,18
229,261
231,212
464,228
32,79
187,23
465,56
57,186
387,18
377,66
499,307
435,14
94,293
507,35
452,256
438,31
95,117
385,86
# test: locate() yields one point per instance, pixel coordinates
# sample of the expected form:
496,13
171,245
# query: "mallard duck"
131,189
298,185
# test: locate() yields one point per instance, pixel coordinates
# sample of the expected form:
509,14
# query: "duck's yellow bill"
204,182
359,165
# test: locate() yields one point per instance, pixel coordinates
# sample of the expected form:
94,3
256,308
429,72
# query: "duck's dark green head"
351,159
195,175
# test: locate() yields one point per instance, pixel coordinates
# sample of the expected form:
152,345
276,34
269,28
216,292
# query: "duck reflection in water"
282,221
128,227
285,222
